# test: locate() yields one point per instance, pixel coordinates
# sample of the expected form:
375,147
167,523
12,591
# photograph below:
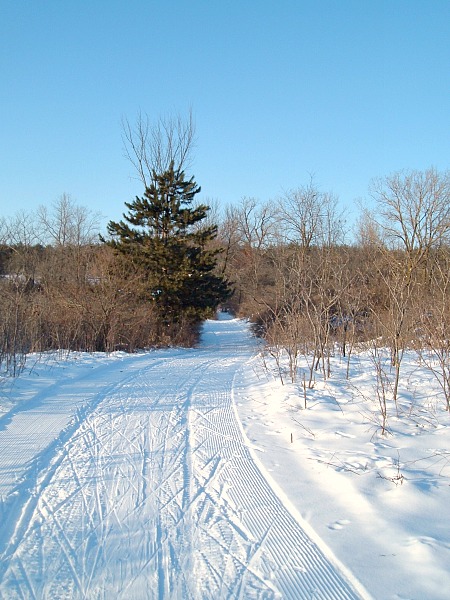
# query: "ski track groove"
154,493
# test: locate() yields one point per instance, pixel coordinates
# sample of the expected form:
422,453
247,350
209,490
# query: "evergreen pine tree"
163,238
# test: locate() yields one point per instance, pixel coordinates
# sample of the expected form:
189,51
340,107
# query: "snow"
195,473
379,502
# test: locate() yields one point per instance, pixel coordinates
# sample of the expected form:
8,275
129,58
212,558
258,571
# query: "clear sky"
346,90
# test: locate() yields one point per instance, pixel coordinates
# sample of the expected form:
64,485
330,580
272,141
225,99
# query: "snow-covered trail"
153,492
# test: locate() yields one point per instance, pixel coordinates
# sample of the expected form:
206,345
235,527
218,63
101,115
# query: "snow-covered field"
197,474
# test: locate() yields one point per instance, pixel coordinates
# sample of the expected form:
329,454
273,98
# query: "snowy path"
152,492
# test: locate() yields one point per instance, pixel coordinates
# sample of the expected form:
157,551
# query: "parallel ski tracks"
155,494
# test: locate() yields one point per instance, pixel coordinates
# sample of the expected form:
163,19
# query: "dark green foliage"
162,237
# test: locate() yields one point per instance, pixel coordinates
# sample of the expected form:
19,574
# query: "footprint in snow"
345,435
339,524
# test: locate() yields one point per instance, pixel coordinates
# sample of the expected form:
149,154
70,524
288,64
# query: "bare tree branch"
152,147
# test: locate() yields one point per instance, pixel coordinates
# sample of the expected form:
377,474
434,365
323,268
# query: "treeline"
292,273
61,289
311,294
149,283
288,265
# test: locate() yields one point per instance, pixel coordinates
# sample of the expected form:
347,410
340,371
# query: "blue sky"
346,90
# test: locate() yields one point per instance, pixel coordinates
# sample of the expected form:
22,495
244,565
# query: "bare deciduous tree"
256,222
248,233
67,223
414,217
152,147
433,340
310,217
19,236
414,209
367,230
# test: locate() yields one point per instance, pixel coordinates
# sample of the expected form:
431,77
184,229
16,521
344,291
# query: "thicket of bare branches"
61,289
313,295
151,146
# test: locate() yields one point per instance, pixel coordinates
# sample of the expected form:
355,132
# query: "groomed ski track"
150,491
